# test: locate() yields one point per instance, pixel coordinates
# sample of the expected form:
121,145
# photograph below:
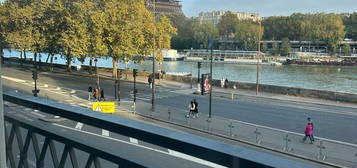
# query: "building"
215,16
167,7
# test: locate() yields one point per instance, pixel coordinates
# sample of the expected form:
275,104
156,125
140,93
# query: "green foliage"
285,47
276,50
227,25
120,29
248,33
205,32
350,21
185,33
346,50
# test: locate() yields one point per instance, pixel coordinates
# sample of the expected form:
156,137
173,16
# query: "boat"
224,56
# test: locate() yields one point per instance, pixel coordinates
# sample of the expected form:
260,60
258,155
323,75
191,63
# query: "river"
331,78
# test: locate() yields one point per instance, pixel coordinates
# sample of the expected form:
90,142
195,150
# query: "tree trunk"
115,63
35,60
69,63
90,66
48,56
21,60
51,64
25,55
2,56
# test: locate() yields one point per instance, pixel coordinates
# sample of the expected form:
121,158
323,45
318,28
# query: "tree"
227,25
285,47
346,50
275,49
185,33
163,33
204,32
350,21
3,22
247,33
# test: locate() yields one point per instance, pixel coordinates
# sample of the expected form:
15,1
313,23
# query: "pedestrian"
309,120
96,94
226,83
90,92
150,81
195,108
308,133
191,109
102,97
222,82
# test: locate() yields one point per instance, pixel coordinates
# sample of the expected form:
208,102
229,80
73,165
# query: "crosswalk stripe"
133,140
79,125
105,132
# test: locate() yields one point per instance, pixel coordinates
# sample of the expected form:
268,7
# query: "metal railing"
203,148
323,150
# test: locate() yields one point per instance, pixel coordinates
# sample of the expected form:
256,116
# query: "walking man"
90,92
191,108
150,81
102,98
195,109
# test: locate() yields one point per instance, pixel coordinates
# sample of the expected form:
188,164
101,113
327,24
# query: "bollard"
257,133
287,140
169,113
232,96
321,147
208,124
134,108
231,126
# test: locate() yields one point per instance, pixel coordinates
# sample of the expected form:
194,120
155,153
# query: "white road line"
79,125
38,114
198,160
133,140
175,154
105,132
13,79
45,85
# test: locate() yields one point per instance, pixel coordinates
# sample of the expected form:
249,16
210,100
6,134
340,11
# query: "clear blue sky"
270,7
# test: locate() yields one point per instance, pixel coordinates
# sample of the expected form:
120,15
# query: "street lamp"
96,71
258,57
2,128
153,62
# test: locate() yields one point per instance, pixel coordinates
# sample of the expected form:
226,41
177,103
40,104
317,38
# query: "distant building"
167,7
215,16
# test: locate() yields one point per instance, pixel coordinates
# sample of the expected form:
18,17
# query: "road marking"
133,140
198,160
13,79
105,132
187,157
79,125
73,91
38,114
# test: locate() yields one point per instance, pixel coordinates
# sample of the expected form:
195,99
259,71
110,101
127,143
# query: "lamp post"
210,45
258,57
96,71
153,62
2,129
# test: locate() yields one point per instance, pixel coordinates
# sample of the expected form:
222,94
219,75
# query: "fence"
323,150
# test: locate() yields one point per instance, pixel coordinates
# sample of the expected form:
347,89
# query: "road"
331,122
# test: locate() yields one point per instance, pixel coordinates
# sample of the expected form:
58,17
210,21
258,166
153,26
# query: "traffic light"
135,72
34,75
199,65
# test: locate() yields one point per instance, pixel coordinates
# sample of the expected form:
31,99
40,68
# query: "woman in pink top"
308,132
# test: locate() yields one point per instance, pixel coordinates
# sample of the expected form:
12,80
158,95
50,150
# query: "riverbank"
241,86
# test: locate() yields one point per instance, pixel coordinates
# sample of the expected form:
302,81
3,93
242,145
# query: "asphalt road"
332,122
125,147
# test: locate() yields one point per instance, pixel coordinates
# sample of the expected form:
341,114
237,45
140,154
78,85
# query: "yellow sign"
104,107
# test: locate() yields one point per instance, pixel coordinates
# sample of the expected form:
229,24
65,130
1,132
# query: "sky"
269,7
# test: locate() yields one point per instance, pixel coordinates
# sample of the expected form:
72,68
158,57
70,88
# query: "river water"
331,78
